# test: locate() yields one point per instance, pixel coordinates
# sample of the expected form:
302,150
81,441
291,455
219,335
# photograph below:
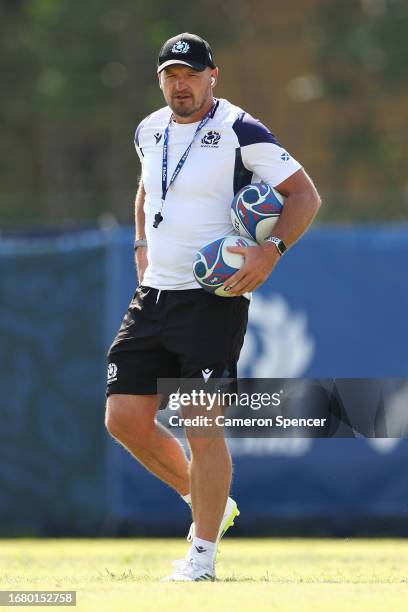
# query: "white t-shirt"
232,150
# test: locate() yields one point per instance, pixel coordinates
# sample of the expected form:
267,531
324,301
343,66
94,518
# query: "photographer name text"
222,421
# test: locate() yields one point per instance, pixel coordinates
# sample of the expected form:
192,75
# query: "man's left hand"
259,263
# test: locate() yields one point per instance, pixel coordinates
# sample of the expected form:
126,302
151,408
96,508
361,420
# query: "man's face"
185,90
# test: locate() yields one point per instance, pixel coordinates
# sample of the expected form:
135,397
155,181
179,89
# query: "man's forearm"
139,212
297,215
140,234
300,208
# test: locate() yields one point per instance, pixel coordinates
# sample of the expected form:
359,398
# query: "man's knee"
126,416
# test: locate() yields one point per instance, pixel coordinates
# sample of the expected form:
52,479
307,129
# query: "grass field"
265,574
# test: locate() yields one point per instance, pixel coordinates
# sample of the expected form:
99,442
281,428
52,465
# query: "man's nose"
180,83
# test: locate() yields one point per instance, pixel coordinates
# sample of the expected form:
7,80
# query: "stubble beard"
180,111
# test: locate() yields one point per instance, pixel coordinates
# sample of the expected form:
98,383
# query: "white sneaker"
190,571
231,512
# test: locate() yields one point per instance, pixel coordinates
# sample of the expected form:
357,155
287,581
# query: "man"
196,153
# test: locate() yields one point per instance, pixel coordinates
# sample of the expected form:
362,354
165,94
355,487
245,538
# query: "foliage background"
329,78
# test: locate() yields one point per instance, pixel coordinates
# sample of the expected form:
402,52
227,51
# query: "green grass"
255,575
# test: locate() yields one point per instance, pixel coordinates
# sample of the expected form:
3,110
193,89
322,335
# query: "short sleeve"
261,152
138,148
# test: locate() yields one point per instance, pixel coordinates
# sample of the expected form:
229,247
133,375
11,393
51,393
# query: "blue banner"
334,307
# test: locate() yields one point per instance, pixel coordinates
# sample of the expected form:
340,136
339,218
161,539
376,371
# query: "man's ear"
214,78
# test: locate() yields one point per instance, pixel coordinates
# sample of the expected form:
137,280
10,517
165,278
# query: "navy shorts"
176,334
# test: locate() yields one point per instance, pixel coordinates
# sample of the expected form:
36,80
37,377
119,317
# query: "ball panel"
254,205
214,264
265,227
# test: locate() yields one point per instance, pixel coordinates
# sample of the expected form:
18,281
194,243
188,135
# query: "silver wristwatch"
280,245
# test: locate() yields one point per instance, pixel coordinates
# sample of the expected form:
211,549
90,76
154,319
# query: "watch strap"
278,242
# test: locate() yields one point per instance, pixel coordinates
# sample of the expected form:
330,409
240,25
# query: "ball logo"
236,225
211,138
181,46
241,242
112,372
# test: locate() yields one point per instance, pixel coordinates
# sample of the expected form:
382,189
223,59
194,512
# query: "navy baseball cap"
188,50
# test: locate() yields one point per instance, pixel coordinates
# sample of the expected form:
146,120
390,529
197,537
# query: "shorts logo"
112,373
211,139
206,374
181,46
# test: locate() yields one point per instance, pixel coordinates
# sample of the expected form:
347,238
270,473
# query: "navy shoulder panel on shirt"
252,131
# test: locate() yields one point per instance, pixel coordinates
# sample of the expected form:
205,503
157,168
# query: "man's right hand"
141,262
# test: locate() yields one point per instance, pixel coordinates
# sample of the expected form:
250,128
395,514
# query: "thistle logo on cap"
180,47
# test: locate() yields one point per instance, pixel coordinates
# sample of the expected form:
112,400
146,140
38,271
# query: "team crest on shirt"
211,139
112,373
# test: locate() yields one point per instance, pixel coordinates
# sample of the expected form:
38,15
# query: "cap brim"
194,65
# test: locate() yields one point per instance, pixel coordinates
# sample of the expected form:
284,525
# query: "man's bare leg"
131,420
210,477
210,473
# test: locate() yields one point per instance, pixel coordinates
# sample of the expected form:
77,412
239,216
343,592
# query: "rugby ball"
255,210
214,264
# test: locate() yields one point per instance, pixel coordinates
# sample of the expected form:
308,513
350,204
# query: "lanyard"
158,217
